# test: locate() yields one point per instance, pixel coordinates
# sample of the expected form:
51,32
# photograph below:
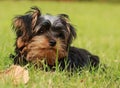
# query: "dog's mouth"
49,54
48,49
39,48
51,48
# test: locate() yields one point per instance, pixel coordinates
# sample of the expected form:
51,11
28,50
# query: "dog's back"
79,58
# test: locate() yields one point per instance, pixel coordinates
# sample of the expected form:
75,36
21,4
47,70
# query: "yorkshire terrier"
47,39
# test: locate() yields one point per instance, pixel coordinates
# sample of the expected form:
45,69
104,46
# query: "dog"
47,39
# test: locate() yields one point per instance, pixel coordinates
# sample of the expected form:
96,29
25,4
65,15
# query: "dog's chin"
48,55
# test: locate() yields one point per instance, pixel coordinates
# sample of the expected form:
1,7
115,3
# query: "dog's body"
48,38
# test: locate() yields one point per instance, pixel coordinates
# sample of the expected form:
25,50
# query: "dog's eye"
61,35
41,31
58,28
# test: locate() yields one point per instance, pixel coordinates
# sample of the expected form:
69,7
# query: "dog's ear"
35,13
24,25
72,33
19,24
71,30
64,15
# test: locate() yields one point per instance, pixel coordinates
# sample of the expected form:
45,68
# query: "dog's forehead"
51,18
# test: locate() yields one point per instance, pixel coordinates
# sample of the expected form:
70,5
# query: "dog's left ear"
71,30
64,16
72,33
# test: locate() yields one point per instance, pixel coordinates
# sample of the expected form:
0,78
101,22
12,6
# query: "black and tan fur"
47,37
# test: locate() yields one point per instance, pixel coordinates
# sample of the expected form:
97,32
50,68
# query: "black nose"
52,42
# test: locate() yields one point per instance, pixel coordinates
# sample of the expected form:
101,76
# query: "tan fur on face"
20,42
39,49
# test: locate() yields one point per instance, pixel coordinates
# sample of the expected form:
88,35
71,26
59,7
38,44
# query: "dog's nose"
52,42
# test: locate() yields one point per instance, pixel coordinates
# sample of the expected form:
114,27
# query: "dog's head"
43,36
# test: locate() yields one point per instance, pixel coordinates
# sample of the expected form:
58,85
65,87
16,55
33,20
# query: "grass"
98,30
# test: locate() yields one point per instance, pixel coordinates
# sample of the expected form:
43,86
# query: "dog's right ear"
19,24
25,24
35,14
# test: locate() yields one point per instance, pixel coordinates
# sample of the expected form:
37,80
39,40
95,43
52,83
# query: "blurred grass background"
98,30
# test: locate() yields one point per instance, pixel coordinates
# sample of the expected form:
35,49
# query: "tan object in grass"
16,73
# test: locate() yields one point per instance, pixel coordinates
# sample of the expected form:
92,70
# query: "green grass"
98,30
